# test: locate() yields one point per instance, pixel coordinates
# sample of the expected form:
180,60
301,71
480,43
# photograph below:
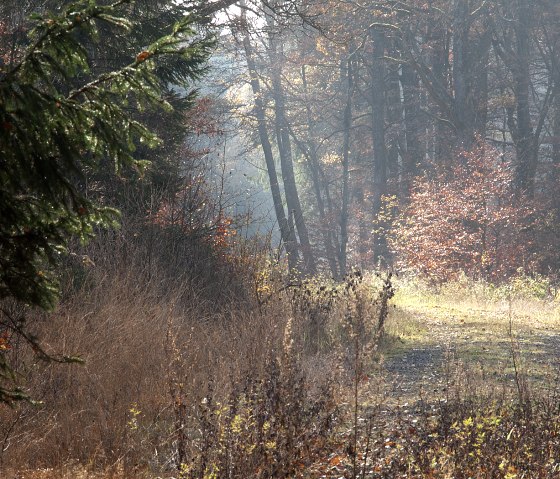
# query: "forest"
279,239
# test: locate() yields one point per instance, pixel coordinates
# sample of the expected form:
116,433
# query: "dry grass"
176,384
291,383
462,392
138,333
532,303
480,326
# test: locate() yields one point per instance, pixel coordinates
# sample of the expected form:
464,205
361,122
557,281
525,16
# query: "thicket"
181,380
61,122
466,219
183,377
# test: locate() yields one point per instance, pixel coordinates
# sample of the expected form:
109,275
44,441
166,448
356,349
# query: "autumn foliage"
466,219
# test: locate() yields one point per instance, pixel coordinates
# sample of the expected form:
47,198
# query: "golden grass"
491,333
146,348
136,341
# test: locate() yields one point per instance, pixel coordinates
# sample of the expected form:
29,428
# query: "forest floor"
414,414
450,362
438,344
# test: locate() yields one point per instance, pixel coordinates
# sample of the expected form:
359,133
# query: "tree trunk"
526,149
394,117
556,136
439,39
346,126
556,161
379,146
285,151
481,97
463,111
414,131
286,232
314,168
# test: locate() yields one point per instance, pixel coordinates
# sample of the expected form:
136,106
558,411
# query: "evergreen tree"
55,127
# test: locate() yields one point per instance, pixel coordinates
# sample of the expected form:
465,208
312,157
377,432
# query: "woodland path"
446,350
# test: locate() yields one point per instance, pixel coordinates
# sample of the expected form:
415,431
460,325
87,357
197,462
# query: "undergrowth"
184,378
286,384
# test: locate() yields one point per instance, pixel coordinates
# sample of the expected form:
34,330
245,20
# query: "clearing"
439,343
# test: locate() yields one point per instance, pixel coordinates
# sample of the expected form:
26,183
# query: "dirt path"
448,348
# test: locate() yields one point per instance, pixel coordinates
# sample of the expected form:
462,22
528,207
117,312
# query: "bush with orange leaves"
466,219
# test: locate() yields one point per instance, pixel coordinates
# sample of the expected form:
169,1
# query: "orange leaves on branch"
142,56
465,219
202,118
223,233
5,342
193,213
335,460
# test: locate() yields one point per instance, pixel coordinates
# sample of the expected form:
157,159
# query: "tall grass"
240,373
187,371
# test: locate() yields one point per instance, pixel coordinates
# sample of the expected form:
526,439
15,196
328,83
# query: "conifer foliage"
57,123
